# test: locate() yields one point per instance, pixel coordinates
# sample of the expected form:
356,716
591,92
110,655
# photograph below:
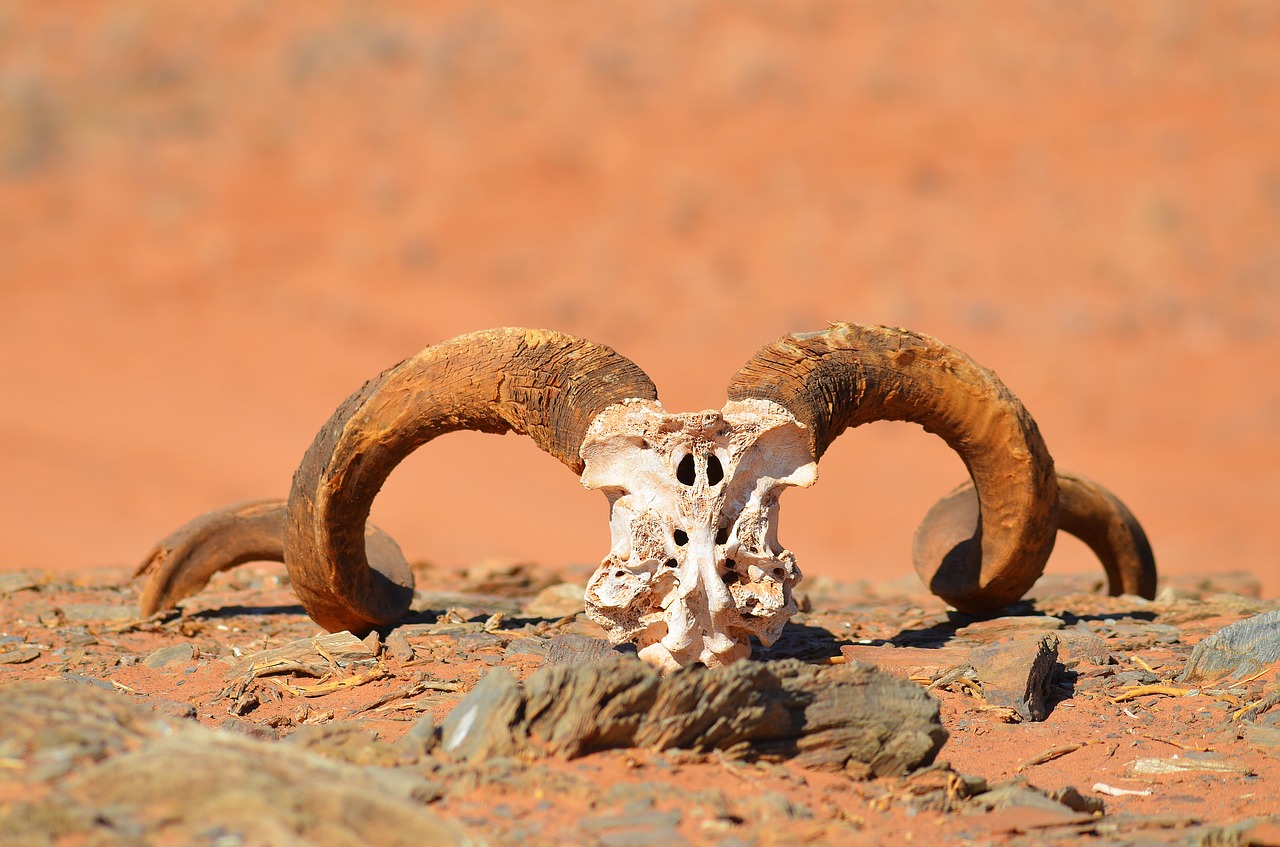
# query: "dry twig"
1055,753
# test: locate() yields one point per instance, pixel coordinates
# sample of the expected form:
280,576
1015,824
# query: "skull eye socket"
685,471
715,473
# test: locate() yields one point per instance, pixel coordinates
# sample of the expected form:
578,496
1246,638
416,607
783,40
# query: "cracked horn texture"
849,375
539,383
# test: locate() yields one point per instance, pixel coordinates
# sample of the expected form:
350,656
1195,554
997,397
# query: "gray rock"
98,612
1018,674
172,654
823,717
571,649
527,647
1240,650
468,732
19,656
118,764
11,583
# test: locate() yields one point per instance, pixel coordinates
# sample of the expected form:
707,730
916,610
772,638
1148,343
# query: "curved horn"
1099,519
182,563
347,573
850,375
543,384
1085,509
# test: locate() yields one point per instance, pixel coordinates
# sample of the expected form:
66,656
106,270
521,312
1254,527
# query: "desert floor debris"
1084,727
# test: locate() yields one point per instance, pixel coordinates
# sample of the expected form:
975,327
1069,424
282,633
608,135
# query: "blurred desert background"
218,219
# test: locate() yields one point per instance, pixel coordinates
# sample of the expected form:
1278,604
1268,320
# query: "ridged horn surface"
850,375
543,384
182,563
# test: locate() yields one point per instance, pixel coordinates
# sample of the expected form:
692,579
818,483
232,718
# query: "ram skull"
695,569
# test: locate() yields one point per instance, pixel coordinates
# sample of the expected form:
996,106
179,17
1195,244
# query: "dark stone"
1071,797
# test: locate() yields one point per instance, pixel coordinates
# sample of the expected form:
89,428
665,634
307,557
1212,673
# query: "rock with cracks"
1244,649
1018,674
831,718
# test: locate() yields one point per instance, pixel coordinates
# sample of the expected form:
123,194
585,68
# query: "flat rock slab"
908,662
19,656
572,649
992,630
556,601
74,613
182,653
1244,649
1016,674
839,717
16,581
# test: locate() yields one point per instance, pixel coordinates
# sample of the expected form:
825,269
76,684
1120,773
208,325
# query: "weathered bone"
695,567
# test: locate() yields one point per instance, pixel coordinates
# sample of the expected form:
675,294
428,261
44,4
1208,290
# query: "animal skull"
695,568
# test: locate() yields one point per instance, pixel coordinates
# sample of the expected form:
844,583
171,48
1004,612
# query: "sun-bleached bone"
695,568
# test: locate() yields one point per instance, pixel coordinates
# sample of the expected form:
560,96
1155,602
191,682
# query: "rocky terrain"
497,714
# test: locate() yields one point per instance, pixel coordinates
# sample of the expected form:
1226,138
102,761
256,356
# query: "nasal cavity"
686,472
681,537
715,473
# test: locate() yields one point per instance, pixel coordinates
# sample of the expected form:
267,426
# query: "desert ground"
218,220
